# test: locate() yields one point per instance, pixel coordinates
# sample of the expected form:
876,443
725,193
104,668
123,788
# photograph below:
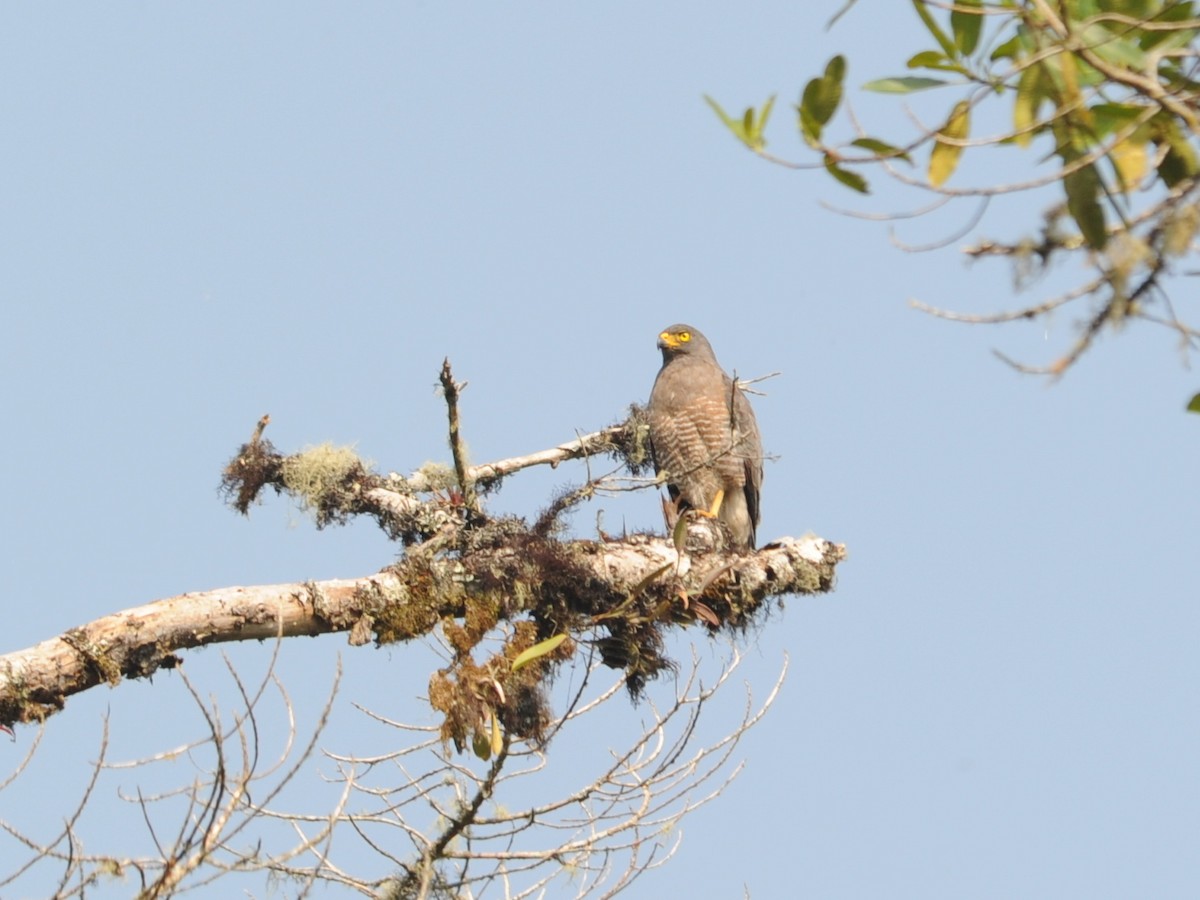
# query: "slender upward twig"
451,388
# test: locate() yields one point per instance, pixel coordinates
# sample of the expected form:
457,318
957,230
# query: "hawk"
704,436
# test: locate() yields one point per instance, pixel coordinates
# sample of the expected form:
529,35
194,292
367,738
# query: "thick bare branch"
595,580
473,832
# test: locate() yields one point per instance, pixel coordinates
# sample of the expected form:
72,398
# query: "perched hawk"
704,436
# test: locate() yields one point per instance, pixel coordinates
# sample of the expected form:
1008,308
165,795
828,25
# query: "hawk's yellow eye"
684,336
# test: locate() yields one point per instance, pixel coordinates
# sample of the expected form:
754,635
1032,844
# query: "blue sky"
218,211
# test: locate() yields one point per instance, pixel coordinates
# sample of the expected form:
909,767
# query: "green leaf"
482,746
1029,96
966,25
1009,49
497,736
1179,161
679,533
749,128
881,148
1130,160
1137,9
641,586
1177,12
810,128
852,180
1194,404
835,69
1175,167
820,100
1110,117
1175,80
1171,39
731,123
1163,41
811,124
1083,203
537,651
759,124
928,59
1112,49
934,29
936,60
903,85
944,158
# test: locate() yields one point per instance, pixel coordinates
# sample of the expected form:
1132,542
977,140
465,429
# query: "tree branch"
582,585
451,388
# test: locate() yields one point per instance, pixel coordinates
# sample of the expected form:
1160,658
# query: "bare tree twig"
451,389
591,444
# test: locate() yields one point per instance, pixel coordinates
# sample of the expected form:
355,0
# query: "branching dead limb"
476,833
464,573
193,827
512,603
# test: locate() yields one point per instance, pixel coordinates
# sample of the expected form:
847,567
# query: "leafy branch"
1107,89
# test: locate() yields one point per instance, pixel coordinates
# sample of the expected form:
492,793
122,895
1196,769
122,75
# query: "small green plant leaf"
497,736
1130,161
1113,49
1175,167
820,100
1009,49
835,71
934,29
944,158
1025,106
929,59
1083,203
852,180
749,128
882,148
1194,404
759,123
1179,162
810,128
634,594
537,651
1110,117
966,25
731,123
905,84
679,533
481,745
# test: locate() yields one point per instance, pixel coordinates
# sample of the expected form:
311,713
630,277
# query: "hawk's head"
683,340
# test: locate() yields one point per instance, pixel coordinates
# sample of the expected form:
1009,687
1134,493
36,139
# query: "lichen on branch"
512,601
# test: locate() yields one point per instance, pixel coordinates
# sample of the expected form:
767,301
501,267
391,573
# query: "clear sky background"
211,212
